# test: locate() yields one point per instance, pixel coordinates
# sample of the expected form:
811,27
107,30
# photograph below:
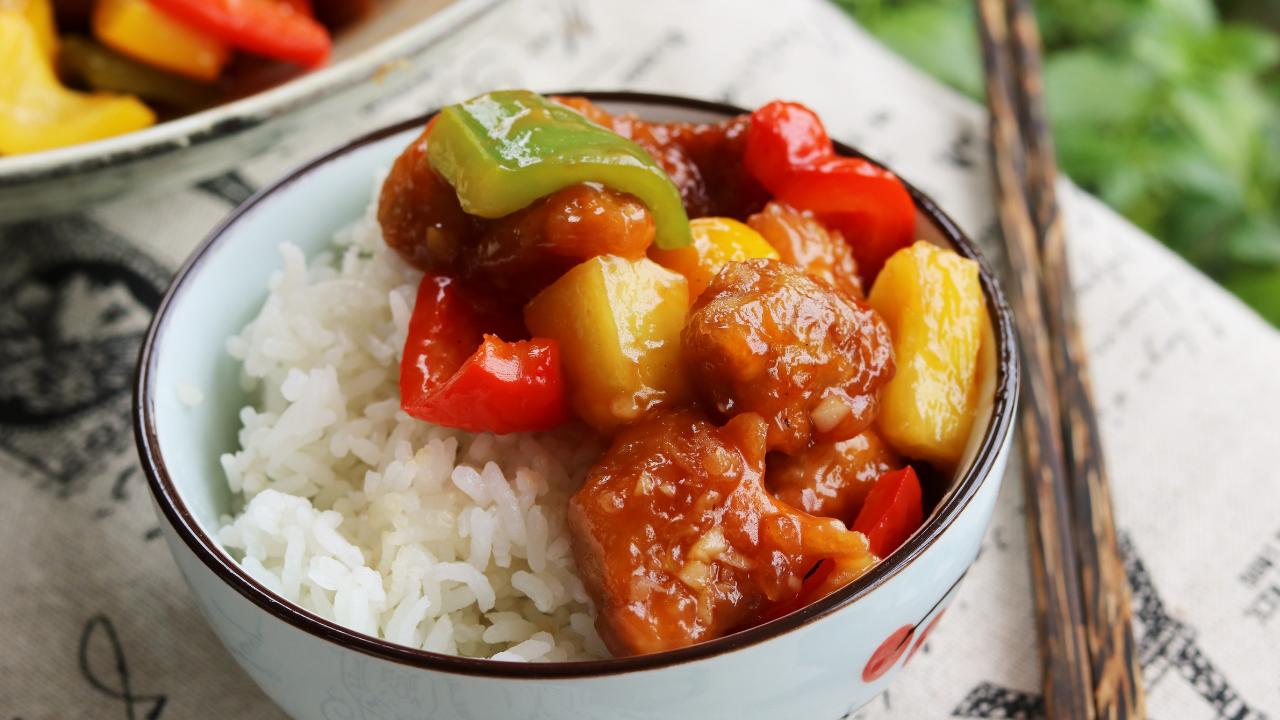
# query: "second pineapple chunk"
146,33
618,322
715,241
932,301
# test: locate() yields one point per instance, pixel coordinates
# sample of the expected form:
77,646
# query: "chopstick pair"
1084,618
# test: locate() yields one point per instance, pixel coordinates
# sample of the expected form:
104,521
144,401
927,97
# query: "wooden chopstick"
1089,664
1108,613
1064,661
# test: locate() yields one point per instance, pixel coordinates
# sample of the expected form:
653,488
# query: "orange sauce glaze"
765,337
679,542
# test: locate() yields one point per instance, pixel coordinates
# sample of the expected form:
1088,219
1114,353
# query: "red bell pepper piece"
263,27
789,152
784,137
892,511
501,387
865,202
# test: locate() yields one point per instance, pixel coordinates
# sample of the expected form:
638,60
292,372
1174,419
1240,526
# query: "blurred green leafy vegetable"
1165,111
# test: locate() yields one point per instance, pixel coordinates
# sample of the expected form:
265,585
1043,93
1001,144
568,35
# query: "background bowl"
369,60
820,662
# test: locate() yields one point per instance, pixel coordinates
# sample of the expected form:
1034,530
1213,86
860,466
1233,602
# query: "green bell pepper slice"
103,69
503,150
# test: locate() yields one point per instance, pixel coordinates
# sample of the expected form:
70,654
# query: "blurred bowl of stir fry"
103,97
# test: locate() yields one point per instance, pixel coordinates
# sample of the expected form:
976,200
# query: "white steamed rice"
426,536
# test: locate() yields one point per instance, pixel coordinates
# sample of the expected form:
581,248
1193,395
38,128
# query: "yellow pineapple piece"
146,33
716,241
618,322
932,301
36,111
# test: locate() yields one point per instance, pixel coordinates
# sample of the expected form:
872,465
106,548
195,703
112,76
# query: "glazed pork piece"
800,239
767,338
421,217
520,253
529,249
832,479
679,543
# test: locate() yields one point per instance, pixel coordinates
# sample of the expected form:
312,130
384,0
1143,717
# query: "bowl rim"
245,113
170,502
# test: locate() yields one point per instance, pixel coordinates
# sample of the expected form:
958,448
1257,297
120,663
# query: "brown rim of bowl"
176,512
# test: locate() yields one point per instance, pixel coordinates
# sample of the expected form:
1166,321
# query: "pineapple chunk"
716,241
144,32
933,304
618,322
40,14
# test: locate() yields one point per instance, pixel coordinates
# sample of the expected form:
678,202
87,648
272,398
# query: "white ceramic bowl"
817,663
369,60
